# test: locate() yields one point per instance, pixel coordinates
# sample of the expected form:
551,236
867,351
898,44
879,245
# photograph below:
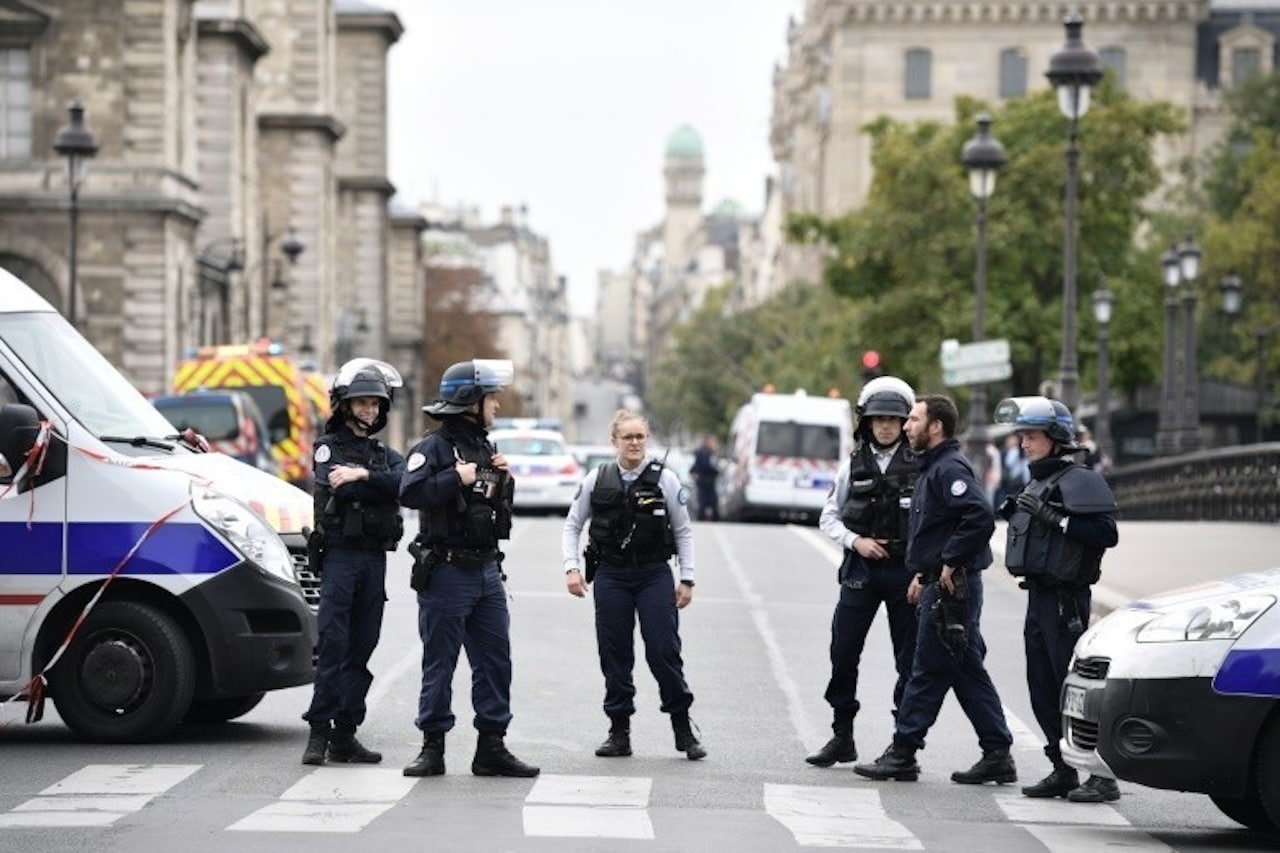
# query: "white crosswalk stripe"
331,799
97,795
836,817
588,807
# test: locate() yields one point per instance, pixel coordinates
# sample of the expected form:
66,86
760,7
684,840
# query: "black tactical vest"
482,514
1042,551
355,523
879,502
630,525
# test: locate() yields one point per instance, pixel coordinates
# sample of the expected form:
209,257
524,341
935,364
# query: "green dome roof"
684,142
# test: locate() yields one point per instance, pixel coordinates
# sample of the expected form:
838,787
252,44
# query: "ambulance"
293,400
786,450
143,581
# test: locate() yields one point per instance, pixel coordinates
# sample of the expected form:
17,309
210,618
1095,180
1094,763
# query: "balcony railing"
1228,484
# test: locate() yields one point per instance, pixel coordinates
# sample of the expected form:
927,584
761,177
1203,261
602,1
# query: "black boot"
686,741
1059,783
1096,789
317,744
618,743
839,748
345,749
430,761
493,758
898,763
995,765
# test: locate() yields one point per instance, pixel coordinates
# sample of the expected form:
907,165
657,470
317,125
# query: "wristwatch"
687,583
572,571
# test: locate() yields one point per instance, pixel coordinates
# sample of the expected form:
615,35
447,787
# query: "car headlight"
1224,619
245,529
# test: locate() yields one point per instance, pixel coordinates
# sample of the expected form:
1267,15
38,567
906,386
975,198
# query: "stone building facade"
228,131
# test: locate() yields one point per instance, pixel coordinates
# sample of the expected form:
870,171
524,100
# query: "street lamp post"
1073,71
1169,429
983,157
1232,302
77,144
1102,303
217,268
1189,267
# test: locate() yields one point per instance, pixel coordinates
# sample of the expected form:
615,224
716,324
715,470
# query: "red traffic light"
871,359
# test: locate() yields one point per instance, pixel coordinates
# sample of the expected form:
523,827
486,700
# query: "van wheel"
128,677
213,711
1268,778
1246,810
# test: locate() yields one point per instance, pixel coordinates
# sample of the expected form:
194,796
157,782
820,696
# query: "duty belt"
466,558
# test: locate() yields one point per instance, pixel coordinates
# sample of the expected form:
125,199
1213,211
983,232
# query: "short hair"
622,415
940,408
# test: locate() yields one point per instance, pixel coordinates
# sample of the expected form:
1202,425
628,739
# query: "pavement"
1156,556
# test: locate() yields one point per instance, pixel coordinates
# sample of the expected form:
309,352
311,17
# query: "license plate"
1073,702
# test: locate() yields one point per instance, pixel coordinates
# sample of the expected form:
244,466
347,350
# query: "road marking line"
1089,839
331,799
97,795
1054,810
588,807
836,817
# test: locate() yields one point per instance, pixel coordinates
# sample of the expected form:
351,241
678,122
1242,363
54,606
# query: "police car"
1181,691
546,473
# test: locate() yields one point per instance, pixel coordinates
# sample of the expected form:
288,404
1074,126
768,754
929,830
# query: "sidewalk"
1154,556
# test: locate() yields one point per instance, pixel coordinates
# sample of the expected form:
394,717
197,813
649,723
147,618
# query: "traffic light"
870,365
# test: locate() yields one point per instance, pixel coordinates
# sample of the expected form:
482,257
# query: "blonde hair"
622,415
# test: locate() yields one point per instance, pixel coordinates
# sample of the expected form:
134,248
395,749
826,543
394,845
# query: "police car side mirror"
19,426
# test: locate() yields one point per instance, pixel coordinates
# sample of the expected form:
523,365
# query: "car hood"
286,508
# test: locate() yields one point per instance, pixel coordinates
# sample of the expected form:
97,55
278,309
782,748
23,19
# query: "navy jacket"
951,520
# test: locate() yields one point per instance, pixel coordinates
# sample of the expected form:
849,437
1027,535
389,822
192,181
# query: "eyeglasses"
635,436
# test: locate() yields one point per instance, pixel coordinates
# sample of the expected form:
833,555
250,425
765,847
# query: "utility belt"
465,558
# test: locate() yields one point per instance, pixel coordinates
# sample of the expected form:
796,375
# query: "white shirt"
829,521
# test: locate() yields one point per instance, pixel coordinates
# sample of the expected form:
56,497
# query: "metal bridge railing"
1227,484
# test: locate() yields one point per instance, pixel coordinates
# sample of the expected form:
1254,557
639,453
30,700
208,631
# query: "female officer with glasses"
638,519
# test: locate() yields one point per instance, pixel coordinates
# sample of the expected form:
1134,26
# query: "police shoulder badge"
958,487
683,496
322,453
416,461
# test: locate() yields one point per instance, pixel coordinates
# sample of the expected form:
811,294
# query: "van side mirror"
19,426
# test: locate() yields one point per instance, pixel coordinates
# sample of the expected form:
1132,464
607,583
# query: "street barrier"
1227,484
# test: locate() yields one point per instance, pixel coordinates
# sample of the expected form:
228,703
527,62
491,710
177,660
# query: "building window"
15,103
1113,60
1013,72
1246,62
918,72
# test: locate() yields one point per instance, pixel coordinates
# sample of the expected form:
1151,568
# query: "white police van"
1181,691
141,582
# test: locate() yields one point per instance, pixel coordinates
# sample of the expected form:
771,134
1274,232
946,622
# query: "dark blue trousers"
621,594
465,608
353,592
934,671
1050,637
885,583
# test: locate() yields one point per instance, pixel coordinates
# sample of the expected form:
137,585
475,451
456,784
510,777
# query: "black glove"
1038,509
1007,508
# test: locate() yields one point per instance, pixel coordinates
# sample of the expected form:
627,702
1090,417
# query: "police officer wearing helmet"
638,518
1059,526
461,486
947,550
866,513
357,482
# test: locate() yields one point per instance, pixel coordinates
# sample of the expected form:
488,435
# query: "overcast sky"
566,106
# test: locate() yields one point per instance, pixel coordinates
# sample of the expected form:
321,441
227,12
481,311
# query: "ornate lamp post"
77,144
983,157
1232,302
1189,268
1167,433
1102,302
1073,71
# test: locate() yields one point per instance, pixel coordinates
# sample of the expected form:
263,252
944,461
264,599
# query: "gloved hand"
1035,506
1007,507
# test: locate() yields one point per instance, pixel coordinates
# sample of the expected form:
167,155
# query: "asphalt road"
756,641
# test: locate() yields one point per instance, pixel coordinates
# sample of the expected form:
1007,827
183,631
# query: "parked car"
546,474
229,420
591,455
1181,691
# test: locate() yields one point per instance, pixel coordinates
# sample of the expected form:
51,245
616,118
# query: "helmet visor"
348,372
1026,412
493,374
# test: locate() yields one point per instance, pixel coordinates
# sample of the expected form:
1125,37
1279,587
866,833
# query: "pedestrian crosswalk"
353,799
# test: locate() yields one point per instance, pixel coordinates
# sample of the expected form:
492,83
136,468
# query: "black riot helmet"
363,377
887,396
467,382
1051,417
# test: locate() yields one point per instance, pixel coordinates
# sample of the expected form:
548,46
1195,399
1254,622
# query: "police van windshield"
804,441
79,378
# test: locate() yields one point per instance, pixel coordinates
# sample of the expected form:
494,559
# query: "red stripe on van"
21,599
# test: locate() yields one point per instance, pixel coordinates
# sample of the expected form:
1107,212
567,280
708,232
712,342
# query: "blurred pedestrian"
706,476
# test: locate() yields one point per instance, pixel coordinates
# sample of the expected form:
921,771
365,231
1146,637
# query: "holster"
425,561
951,612
590,562
315,551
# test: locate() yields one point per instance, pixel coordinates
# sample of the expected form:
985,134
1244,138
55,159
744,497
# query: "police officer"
1059,526
867,513
462,488
947,549
639,517
357,481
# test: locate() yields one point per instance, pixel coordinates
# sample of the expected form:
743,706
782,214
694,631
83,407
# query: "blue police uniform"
951,524
867,500
358,523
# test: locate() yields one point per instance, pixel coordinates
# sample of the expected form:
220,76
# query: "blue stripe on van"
1249,672
96,548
